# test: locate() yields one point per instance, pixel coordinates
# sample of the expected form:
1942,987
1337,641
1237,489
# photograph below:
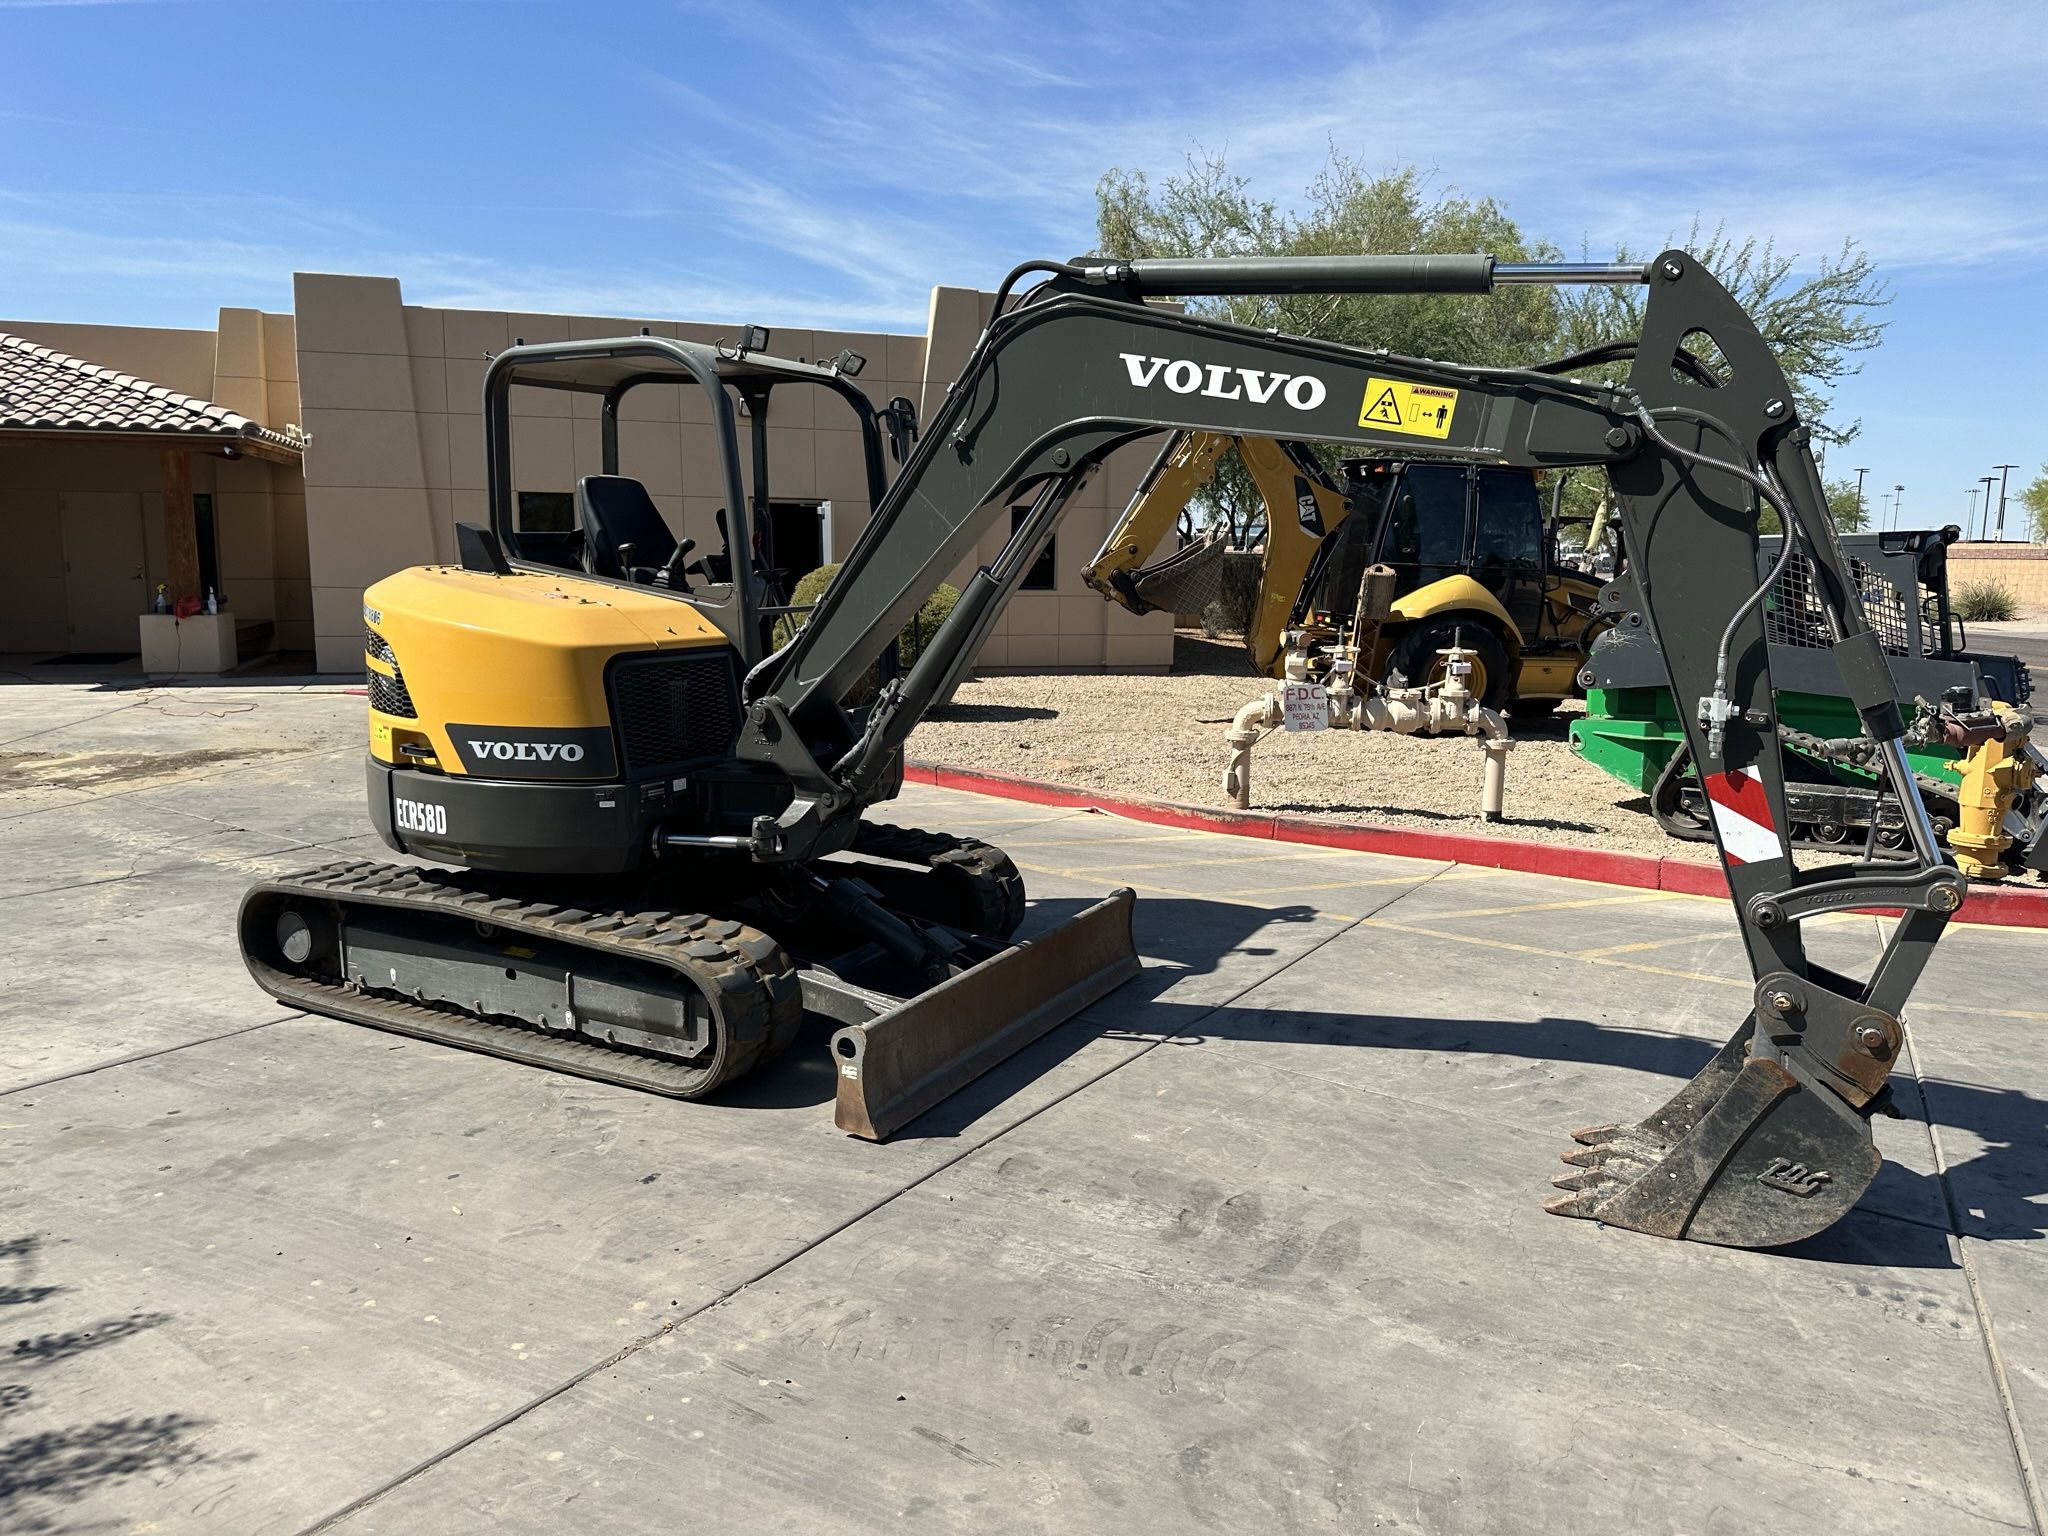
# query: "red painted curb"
1999,906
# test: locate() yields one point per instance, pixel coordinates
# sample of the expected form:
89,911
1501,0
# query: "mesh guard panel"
388,695
671,710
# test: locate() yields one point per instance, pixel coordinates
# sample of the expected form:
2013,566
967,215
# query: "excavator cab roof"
619,363
745,589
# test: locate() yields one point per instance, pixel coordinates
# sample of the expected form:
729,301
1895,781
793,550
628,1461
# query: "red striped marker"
1742,815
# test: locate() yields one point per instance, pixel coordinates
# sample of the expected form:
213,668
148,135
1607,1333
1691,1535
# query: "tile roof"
44,390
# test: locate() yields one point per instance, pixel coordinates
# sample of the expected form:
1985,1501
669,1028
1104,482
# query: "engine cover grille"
388,695
674,709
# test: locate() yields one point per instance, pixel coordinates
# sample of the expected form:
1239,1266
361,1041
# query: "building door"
798,534
105,581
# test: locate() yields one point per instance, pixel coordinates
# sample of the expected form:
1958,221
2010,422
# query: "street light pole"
1984,529
1970,514
1862,512
1898,503
2003,471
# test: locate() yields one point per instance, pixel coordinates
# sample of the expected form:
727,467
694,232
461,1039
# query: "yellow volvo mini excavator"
649,852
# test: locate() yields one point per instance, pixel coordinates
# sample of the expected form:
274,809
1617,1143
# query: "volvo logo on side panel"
533,752
1218,381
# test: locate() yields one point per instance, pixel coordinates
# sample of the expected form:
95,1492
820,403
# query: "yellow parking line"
1636,898
1606,957
1148,837
1228,899
1630,949
1331,885
1824,920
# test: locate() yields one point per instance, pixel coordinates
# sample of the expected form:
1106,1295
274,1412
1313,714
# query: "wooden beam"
181,536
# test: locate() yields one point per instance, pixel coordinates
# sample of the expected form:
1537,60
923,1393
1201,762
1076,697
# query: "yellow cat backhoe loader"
1470,550
647,831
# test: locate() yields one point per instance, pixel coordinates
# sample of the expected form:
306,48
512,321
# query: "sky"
826,164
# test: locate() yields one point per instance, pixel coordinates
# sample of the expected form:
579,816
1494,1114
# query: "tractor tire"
1414,660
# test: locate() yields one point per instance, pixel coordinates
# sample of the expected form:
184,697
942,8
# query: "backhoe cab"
655,858
1474,562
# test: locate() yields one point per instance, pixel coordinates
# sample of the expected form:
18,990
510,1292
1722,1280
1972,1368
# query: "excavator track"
959,881
732,987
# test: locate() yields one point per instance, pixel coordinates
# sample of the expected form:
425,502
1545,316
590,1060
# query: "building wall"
250,365
177,359
2021,568
392,394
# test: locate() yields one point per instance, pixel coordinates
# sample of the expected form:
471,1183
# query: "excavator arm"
1771,1142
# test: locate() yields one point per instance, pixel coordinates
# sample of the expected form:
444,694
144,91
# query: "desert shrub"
1985,602
1231,612
917,634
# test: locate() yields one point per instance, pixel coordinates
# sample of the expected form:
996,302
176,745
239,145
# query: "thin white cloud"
1916,130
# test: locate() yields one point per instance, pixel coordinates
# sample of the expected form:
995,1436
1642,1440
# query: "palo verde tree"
2035,499
1210,211
1816,325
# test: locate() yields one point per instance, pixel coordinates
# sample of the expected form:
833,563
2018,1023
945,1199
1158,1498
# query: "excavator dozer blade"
894,1067
1744,1155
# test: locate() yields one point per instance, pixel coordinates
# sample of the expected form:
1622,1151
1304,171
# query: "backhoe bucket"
1186,581
1744,1155
894,1067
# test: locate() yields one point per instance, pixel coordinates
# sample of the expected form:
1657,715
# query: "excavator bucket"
898,1064
1744,1155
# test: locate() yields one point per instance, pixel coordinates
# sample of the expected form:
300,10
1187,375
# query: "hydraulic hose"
1718,712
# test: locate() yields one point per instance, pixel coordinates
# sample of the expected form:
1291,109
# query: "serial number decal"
419,816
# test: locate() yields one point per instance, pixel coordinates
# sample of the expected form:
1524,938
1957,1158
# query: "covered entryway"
108,489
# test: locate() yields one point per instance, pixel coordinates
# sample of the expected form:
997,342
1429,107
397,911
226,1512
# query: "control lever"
672,573
626,560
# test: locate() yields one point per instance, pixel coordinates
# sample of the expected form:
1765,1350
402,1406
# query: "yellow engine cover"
526,651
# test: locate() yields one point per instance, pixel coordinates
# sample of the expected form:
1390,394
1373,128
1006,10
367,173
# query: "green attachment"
1631,734
1628,733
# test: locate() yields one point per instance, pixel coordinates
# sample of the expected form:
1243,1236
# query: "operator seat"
615,511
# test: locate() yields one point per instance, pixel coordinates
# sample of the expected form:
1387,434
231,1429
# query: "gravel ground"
1162,737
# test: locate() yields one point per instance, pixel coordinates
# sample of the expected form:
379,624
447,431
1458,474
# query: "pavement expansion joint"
166,1050
1980,1305
671,1325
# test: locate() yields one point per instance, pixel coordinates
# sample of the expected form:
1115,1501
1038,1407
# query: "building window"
546,512
1042,575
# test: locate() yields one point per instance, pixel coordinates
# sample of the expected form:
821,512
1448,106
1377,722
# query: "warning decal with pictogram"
1419,410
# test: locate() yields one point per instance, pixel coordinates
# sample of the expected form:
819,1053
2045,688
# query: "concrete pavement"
1255,1244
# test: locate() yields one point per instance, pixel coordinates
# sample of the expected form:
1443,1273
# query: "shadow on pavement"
1183,938
44,1470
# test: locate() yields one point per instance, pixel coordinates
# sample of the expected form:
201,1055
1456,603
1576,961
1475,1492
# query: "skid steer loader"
652,829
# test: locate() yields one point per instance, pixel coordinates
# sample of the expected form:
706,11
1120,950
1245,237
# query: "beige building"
389,397
100,428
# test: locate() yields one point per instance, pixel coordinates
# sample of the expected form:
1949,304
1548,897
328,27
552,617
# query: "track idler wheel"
1745,1155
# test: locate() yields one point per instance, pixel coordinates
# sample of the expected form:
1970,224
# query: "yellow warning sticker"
1420,410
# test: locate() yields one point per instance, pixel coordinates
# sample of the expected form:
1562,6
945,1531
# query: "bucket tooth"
1745,1155
897,1065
